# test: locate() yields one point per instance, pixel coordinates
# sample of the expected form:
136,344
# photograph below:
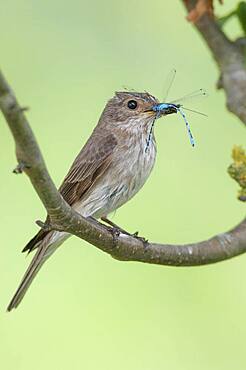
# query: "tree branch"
122,247
229,56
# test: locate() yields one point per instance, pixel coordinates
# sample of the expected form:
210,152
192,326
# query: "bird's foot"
115,226
141,238
115,234
117,230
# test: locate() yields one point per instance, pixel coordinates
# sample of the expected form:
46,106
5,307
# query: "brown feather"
88,166
35,241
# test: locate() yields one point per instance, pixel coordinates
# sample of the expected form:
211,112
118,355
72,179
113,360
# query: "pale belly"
121,182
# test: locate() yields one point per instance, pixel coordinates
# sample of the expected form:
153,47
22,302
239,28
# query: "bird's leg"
117,229
114,226
114,229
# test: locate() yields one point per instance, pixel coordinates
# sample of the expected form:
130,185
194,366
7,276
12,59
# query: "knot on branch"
237,170
20,168
43,225
200,8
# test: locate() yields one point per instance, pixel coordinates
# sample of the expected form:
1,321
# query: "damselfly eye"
132,104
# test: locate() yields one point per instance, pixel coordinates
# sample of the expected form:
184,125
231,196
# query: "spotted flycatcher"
109,170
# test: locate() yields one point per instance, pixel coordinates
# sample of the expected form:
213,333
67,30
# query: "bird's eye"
132,104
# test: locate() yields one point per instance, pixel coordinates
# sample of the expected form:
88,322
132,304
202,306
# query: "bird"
110,169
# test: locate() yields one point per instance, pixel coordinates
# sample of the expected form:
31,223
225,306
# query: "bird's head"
130,109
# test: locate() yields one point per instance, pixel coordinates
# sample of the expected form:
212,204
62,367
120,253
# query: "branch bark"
122,247
230,59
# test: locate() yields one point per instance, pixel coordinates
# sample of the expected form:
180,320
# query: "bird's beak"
163,109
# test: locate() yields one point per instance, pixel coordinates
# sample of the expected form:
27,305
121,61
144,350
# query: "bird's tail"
45,249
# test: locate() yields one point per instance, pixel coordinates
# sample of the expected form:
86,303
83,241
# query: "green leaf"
224,19
237,170
241,13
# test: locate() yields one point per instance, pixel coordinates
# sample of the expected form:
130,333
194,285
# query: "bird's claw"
115,234
141,238
115,231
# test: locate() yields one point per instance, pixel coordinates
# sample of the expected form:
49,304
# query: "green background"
86,310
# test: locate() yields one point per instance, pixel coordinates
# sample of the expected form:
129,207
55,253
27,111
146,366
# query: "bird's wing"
89,165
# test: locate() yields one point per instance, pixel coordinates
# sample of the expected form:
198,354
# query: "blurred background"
86,310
